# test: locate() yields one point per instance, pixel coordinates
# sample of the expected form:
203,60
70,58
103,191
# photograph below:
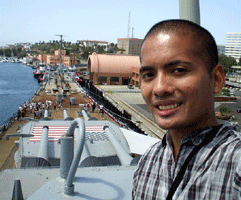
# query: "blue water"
17,85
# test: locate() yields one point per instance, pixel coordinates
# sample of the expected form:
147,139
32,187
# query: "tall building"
189,10
131,46
221,49
233,45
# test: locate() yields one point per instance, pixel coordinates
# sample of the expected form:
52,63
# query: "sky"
106,20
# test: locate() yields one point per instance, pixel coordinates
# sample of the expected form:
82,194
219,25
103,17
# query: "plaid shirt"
213,173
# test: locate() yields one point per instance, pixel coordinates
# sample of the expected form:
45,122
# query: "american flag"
55,132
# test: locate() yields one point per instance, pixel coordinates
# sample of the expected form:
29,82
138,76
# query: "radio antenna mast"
61,40
128,31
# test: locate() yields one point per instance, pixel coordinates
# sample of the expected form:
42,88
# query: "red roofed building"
114,69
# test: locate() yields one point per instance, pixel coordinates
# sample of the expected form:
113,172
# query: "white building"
221,49
91,43
233,45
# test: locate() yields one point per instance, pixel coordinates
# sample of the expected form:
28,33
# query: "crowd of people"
38,108
92,107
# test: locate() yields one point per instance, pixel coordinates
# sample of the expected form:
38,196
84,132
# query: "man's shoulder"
229,132
152,151
228,140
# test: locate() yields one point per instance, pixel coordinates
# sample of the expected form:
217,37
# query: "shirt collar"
195,138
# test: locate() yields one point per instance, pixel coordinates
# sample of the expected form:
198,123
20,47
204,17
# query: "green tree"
85,51
227,62
239,62
224,109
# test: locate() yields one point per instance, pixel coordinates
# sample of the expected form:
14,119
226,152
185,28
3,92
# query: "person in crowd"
20,108
93,107
88,108
102,111
30,108
18,114
198,158
37,114
40,112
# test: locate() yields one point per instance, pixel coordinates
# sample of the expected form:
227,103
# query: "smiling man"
198,158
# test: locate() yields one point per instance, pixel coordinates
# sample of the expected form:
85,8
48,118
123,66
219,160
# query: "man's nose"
163,85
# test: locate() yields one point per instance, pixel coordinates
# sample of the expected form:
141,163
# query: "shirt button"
197,141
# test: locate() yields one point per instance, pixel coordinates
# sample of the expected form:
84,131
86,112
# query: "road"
233,106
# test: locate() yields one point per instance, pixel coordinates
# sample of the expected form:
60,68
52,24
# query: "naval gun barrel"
124,157
43,159
85,115
65,114
46,113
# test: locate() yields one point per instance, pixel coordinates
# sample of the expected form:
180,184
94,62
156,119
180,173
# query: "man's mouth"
168,107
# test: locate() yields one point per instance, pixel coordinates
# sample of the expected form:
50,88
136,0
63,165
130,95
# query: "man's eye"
147,75
180,70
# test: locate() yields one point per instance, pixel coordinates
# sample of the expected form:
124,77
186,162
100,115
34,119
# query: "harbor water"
17,85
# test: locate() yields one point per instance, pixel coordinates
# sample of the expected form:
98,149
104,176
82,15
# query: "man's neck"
177,135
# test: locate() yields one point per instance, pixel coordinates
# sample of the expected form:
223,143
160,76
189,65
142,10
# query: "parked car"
239,109
131,86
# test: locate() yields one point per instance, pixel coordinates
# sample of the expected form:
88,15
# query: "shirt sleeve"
137,173
136,190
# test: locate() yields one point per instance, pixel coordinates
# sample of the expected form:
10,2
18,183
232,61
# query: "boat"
40,71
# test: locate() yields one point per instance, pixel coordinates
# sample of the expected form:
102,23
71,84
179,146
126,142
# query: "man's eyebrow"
177,62
172,63
145,68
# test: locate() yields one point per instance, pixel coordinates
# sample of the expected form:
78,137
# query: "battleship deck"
8,148
50,90
99,151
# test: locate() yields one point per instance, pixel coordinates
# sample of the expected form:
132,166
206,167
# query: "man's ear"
219,78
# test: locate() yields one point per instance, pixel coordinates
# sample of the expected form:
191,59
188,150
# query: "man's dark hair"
203,42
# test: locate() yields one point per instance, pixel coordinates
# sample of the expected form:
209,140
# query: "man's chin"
168,124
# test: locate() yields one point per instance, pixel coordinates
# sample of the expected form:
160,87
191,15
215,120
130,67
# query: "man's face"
175,83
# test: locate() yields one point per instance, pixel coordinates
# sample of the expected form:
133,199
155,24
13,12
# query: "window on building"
125,80
114,80
102,80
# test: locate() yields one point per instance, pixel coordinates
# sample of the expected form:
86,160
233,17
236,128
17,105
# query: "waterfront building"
131,46
93,43
54,59
233,45
114,69
221,49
